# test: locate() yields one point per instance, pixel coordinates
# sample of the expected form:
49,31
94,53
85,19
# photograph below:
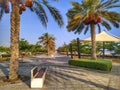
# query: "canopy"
103,37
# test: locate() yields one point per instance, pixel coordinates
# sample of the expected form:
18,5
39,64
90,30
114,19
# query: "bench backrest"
35,70
41,73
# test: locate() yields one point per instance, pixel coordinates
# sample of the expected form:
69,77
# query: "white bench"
38,77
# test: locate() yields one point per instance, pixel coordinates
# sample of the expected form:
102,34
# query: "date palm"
91,15
48,42
18,6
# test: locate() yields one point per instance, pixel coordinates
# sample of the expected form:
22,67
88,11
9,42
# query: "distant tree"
64,48
99,46
24,45
4,49
110,46
74,44
85,47
117,50
48,41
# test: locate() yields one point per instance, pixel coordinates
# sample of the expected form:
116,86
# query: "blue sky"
31,28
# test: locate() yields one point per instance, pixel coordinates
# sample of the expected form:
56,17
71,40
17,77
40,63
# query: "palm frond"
55,13
73,24
106,25
1,13
41,17
95,8
79,28
111,4
98,7
86,29
99,28
39,10
115,24
38,5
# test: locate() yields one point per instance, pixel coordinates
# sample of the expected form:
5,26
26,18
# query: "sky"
31,28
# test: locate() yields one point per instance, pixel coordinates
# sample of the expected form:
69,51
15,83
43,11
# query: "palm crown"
93,11
48,41
36,6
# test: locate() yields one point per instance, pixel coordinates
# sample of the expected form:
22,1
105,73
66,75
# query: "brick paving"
61,76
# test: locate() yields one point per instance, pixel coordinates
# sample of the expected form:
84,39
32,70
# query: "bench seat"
40,73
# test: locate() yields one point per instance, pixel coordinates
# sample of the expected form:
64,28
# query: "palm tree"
18,6
48,42
92,14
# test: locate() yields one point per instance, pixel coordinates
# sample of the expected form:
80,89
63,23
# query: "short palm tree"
92,14
18,6
48,42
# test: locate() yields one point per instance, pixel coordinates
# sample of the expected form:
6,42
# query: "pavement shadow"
4,67
52,60
115,70
66,76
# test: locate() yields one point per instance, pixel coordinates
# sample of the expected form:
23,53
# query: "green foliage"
4,49
85,47
99,64
118,49
74,44
48,41
63,48
39,7
6,55
87,8
113,46
25,46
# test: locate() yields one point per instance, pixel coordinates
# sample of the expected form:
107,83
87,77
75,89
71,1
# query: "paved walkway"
61,76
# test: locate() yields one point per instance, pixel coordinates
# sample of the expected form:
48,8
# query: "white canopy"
103,37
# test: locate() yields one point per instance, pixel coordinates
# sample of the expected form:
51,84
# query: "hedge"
6,55
100,64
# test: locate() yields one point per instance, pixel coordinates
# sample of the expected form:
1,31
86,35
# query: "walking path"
61,76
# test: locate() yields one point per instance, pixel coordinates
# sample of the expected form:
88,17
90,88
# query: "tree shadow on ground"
4,67
66,76
46,62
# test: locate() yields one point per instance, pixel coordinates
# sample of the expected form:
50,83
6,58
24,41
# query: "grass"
100,64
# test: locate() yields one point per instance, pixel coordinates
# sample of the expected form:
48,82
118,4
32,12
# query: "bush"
94,64
6,55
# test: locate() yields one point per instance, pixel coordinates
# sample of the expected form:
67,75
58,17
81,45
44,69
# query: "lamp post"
78,45
71,50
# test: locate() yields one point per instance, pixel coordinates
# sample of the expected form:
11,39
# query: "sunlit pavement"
61,76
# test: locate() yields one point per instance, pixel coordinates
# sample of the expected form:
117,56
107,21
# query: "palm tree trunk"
15,28
93,38
48,51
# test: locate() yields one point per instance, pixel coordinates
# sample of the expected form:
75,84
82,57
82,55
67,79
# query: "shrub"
100,64
6,55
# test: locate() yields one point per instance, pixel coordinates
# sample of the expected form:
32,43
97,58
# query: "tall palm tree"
18,6
48,42
92,14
